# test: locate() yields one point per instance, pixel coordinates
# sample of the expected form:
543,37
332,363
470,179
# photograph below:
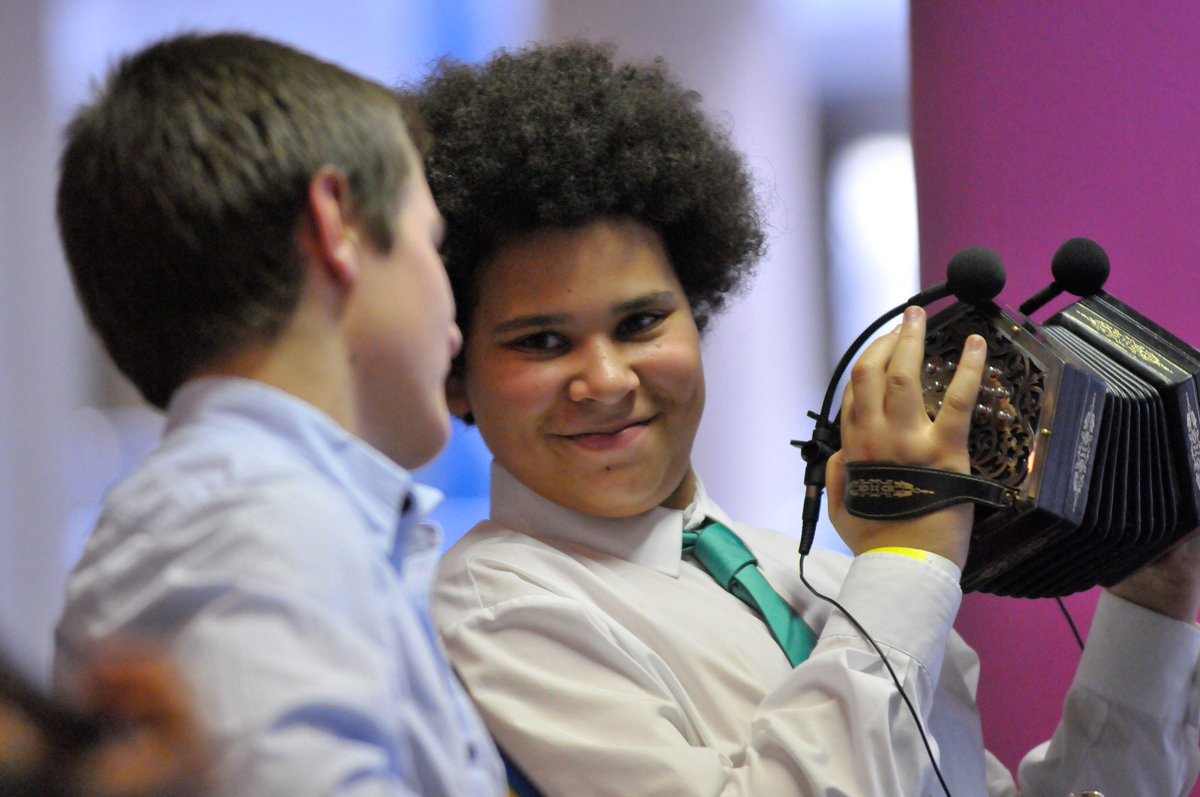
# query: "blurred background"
1016,124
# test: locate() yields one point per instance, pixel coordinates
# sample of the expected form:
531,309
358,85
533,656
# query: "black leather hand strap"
879,491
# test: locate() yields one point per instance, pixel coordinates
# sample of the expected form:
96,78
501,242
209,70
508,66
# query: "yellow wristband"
911,553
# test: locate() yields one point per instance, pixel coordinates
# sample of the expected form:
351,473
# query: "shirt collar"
378,487
653,539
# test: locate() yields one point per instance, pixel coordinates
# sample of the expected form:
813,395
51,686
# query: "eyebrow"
642,302
542,320
528,322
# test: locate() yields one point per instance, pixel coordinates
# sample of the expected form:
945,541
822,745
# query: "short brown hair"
183,183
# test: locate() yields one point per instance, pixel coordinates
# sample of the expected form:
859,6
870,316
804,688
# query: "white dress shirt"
266,548
605,665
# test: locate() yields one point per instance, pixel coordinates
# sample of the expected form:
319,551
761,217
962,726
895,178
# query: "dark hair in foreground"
560,136
183,184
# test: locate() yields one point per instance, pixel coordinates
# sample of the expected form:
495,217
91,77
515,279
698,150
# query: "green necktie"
729,561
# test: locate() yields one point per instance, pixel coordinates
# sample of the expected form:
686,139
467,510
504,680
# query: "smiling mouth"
607,439
613,432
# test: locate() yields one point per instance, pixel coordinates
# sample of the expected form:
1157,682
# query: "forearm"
1130,721
1169,585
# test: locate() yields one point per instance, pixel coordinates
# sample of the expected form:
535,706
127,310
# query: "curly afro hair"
560,136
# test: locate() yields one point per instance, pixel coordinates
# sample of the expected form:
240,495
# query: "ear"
334,232
456,397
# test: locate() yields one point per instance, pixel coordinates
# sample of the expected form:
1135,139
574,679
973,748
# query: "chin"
601,503
417,452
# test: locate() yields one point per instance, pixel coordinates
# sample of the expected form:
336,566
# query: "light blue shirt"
286,565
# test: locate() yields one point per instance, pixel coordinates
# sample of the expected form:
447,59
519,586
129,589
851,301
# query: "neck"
307,360
684,494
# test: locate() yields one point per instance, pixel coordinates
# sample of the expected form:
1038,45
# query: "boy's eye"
539,342
640,322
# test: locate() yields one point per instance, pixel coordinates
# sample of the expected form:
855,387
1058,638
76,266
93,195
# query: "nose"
605,374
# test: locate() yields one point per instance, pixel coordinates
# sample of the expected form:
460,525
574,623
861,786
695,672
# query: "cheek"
508,397
679,374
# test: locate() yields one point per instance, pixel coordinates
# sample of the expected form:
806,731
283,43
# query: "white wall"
42,350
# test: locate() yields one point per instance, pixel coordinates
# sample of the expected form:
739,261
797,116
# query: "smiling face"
583,369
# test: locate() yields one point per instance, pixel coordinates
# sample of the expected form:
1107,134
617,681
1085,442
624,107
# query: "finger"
953,422
904,403
165,748
148,692
868,378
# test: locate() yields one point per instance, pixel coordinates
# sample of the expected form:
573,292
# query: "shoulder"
200,467
250,495
490,551
493,565
202,517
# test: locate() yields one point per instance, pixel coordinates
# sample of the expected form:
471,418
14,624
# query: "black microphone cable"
1062,607
975,275
895,678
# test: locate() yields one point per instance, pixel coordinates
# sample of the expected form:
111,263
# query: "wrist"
1181,602
920,554
930,558
949,540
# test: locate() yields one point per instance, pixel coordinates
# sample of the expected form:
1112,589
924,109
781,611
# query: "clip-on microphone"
975,276
1080,267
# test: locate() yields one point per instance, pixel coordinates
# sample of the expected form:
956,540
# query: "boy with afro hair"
597,220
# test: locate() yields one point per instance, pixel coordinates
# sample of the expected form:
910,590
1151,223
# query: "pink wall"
1033,123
